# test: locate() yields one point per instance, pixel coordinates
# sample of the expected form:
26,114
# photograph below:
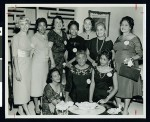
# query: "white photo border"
75,116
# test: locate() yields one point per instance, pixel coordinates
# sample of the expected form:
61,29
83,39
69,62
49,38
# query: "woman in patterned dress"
53,92
78,79
21,52
127,46
57,37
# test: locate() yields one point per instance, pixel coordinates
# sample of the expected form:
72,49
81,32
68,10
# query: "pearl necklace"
100,74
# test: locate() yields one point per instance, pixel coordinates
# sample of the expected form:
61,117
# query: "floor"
134,109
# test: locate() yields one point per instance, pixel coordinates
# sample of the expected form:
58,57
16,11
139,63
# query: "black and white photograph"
63,60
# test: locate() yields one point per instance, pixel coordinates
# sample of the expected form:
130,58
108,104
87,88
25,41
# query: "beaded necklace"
98,51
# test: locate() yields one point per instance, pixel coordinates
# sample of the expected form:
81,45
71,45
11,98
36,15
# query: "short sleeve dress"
102,83
127,88
77,84
39,44
78,43
48,96
21,48
58,48
88,37
95,45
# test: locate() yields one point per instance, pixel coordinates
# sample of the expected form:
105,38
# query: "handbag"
132,73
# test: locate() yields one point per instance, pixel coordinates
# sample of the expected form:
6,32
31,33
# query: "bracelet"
131,59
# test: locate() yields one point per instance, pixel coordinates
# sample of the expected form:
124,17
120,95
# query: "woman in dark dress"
57,37
103,77
88,29
74,43
127,46
98,44
78,79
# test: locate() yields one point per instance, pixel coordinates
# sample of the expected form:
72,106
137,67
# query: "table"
75,110
100,110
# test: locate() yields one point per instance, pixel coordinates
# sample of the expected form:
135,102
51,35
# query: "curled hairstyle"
17,23
108,55
129,20
92,22
73,23
22,19
101,24
49,76
39,20
80,51
53,22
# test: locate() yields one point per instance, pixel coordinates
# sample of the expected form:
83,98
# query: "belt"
22,53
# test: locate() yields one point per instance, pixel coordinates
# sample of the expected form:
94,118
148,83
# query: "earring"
109,64
105,34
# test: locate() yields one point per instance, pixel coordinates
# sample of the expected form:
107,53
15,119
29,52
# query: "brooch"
126,43
74,50
109,74
88,81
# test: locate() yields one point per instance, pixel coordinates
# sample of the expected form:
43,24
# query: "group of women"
90,61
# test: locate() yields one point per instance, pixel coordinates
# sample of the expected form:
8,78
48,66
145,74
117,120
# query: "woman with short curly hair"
40,57
21,52
53,92
127,47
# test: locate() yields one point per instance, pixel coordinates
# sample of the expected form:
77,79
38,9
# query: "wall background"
78,14
116,14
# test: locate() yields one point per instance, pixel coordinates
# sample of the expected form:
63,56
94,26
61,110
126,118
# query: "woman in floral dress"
57,37
53,92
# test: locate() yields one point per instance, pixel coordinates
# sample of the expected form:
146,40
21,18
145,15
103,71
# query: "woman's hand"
102,101
58,101
52,66
69,65
110,89
18,76
128,61
94,63
91,101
